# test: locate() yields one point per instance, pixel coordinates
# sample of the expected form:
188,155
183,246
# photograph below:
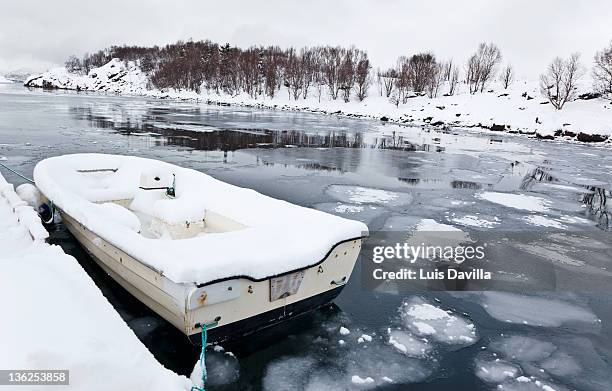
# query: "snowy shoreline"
516,110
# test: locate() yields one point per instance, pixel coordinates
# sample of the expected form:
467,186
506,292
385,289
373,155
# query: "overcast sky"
40,34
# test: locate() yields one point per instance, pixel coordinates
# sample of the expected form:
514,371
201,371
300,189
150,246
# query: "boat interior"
152,206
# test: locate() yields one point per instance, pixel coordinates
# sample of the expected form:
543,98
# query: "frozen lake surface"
389,177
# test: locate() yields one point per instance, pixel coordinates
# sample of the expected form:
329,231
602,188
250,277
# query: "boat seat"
120,215
177,211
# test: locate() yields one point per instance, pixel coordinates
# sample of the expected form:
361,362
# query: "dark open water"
331,164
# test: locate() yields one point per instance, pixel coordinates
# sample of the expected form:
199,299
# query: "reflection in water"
594,197
188,127
535,175
597,207
169,130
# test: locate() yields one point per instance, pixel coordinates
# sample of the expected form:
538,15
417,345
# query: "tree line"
338,72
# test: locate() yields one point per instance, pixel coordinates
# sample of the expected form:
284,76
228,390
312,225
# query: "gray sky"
40,34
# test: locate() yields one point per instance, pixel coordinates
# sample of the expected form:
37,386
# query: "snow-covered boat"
197,250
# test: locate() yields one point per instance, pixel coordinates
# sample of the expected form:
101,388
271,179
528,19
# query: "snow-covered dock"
54,316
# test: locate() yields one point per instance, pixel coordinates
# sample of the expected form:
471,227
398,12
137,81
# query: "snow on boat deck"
300,237
58,317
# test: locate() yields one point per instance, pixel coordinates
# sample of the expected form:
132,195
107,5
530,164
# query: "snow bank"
518,109
271,237
30,194
58,317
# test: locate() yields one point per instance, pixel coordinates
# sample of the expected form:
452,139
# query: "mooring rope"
202,360
16,173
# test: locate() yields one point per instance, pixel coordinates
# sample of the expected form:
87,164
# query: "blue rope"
202,360
16,173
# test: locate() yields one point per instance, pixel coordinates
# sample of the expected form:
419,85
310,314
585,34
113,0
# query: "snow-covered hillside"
518,109
115,76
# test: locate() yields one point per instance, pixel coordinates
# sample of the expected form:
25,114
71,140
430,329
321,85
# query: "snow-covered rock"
115,76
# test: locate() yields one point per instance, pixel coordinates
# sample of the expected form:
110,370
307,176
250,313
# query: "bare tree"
454,79
332,60
602,71
481,66
559,82
422,68
308,60
73,64
402,81
362,75
294,74
507,76
388,78
436,79
346,76
448,70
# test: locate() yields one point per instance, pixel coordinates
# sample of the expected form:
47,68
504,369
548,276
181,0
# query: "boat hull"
250,311
271,318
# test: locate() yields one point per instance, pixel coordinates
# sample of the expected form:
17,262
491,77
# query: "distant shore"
516,110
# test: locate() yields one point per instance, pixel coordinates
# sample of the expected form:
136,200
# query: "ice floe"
516,201
535,310
356,379
347,208
363,213
522,348
368,195
430,225
496,371
543,221
557,363
408,344
476,221
426,320
325,364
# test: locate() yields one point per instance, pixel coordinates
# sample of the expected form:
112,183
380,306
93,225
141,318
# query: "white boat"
197,250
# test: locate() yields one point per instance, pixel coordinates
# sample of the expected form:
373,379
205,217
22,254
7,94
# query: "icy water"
391,178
